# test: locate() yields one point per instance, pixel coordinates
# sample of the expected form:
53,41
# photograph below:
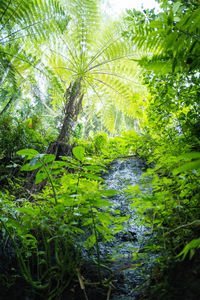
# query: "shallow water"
121,174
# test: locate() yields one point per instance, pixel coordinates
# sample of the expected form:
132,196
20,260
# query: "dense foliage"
169,43
78,87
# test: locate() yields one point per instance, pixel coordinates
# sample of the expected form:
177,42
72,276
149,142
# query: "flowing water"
121,174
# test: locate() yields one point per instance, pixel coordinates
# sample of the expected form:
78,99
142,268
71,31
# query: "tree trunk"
61,147
73,105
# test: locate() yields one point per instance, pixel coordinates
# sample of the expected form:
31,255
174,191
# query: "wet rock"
129,236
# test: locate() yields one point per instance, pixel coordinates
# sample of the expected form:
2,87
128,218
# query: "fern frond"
100,59
171,38
24,27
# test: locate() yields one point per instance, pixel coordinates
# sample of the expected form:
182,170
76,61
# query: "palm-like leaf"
24,26
170,40
99,58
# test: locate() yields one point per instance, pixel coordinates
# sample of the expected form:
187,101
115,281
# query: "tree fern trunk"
73,105
61,147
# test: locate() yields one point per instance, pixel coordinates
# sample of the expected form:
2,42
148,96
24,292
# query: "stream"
121,174
118,254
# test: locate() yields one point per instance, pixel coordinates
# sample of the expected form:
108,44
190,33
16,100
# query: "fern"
190,248
171,39
24,27
99,57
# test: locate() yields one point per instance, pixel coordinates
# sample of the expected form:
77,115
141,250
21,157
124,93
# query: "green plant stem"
25,271
182,226
51,181
97,247
21,261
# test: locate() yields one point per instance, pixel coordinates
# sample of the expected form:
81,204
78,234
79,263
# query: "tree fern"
96,55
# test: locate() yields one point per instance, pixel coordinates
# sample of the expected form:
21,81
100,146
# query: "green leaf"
79,152
177,19
48,158
40,176
87,222
176,6
117,228
122,219
92,176
195,243
93,168
109,193
60,208
58,164
28,167
187,167
190,155
71,165
30,240
28,152
70,159
100,202
90,242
